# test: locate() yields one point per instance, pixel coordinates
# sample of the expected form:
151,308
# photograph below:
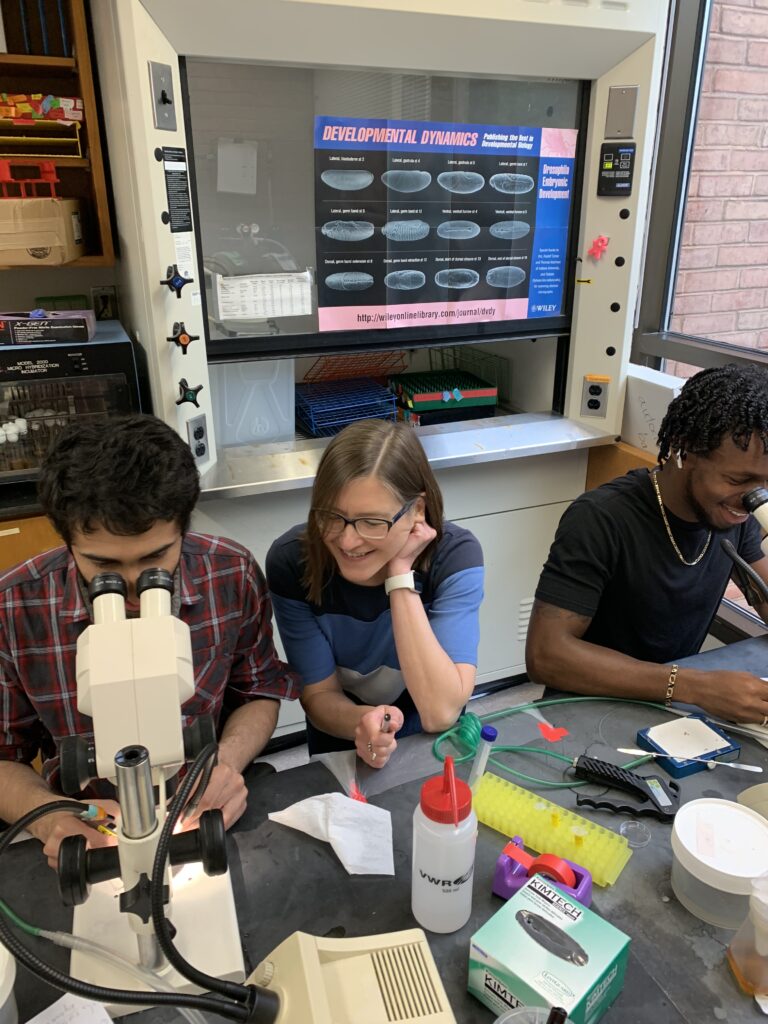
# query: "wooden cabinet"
60,73
22,538
612,460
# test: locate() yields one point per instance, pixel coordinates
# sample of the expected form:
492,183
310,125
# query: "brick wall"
722,283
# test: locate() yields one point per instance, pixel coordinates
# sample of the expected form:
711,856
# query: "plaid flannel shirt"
223,598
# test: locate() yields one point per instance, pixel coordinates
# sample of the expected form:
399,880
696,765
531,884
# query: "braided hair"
725,400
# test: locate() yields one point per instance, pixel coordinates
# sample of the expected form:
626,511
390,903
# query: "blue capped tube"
487,738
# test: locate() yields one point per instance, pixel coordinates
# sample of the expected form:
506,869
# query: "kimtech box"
37,232
542,948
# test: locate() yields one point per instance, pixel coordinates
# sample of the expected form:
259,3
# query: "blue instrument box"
694,736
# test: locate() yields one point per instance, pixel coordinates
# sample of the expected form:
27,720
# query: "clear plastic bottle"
487,738
444,837
748,951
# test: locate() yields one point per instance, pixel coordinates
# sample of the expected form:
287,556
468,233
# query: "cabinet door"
22,538
515,546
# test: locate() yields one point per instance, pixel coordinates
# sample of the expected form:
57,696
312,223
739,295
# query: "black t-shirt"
612,560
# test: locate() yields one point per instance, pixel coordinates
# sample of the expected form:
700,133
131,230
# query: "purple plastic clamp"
510,875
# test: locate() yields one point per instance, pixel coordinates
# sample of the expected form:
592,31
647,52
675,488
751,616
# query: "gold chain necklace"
678,552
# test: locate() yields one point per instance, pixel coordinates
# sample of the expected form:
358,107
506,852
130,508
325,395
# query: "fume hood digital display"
439,223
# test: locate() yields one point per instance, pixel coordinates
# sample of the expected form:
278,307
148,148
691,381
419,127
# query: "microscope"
133,675
751,585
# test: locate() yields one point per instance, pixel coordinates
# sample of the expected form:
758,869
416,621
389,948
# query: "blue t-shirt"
350,631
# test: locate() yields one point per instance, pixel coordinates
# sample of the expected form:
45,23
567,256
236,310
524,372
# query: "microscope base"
207,934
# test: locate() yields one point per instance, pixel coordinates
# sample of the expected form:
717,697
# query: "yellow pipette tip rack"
548,828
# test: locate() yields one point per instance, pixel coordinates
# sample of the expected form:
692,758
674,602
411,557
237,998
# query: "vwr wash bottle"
444,836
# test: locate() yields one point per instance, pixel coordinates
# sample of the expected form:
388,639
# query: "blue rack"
324,407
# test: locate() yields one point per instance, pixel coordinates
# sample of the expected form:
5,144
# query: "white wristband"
404,581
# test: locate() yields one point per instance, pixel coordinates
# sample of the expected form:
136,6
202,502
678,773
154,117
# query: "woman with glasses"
376,597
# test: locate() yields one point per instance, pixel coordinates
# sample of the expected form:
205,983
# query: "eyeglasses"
369,528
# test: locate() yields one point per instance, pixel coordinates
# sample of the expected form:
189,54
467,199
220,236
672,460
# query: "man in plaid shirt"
121,494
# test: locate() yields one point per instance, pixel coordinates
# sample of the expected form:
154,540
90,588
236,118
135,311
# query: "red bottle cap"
445,798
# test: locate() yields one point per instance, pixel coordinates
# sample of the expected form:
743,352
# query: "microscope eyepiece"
754,499
107,583
154,579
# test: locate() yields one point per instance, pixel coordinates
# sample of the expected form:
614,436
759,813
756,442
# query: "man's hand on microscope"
226,790
51,829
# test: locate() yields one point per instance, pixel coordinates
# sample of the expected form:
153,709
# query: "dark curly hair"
122,474
723,401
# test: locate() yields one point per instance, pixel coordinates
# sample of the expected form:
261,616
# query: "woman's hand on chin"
419,538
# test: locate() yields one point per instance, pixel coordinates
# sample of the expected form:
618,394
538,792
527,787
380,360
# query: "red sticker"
357,794
551,732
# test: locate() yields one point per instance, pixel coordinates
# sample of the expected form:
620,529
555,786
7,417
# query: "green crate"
439,389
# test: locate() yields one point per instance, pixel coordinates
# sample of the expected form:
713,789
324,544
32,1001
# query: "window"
357,208
711,231
705,293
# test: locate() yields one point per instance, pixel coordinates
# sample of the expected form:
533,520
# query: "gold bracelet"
671,686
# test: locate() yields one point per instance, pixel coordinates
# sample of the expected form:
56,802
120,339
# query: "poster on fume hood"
436,223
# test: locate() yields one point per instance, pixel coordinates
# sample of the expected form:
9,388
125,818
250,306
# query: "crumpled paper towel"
360,834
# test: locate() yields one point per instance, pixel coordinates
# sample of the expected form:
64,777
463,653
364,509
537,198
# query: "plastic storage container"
756,798
444,836
253,402
8,1011
718,847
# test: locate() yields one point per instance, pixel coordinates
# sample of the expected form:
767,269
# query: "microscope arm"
751,584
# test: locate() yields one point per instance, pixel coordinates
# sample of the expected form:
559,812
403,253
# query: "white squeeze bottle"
444,836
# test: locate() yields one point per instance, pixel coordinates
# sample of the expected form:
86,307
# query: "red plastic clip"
598,247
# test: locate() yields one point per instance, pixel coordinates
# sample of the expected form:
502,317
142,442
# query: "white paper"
264,295
185,261
71,1009
360,834
236,167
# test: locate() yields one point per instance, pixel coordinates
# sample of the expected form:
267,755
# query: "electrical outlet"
197,436
594,395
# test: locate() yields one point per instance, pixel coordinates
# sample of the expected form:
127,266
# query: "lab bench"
285,880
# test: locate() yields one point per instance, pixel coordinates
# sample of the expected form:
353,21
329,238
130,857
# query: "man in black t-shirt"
636,571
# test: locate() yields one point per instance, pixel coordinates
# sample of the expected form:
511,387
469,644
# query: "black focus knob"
187,393
73,872
182,338
79,868
77,764
175,280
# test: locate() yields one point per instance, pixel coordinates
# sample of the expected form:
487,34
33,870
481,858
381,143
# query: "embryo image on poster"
421,223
